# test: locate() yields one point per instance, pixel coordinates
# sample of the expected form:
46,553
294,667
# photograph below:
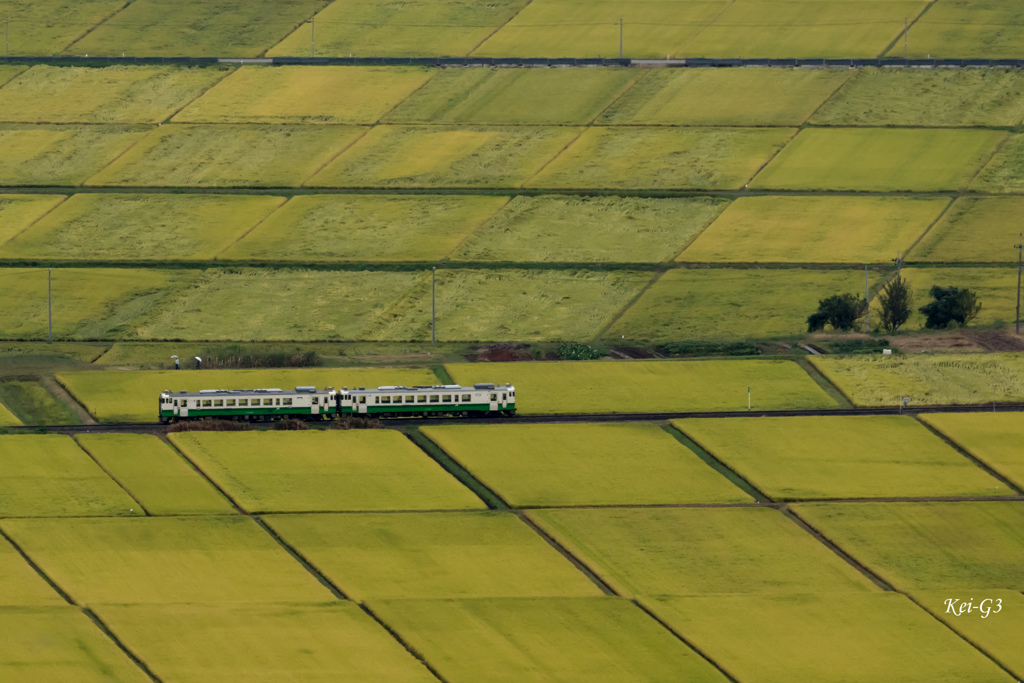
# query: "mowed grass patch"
305,95
584,464
731,304
510,305
112,94
57,644
1005,172
974,231
379,28
132,396
999,633
227,156
439,156
569,28
602,639
141,227
722,97
88,303
827,637
154,474
216,559
319,471
316,642
514,96
46,29
996,289
994,438
793,458
783,28
366,228
590,229
18,211
282,305
924,546
663,158
937,380
966,29
50,476
879,159
649,386
696,551
432,555
814,230
195,28
55,155
919,97
20,584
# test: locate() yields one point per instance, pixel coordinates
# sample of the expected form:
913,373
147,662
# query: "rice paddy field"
968,28
56,155
996,289
998,638
1003,172
992,438
49,28
973,231
7,418
17,212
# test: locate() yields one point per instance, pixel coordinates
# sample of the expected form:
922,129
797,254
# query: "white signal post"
1020,266
49,305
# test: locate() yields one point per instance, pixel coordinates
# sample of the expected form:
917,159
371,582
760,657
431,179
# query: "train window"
277,401
219,402
422,398
175,403
206,403
385,399
398,399
434,398
494,397
316,401
410,399
268,401
447,398
465,398
503,397
287,401
243,401
362,399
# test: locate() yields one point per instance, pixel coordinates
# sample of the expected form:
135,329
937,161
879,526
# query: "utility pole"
899,264
620,37
433,307
7,36
312,36
49,304
867,303
1020,266
905,27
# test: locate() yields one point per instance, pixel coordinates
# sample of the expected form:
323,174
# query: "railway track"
156,427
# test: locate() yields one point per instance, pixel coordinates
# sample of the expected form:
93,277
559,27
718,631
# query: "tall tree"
840,311
897,301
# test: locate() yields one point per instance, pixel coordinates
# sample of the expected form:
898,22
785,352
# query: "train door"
494,403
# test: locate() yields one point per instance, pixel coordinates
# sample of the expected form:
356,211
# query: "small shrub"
290,424
840,312
710,348
208,426
237,357
950,304
358,423
578,351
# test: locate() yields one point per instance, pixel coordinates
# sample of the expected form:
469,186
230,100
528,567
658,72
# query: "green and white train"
310,403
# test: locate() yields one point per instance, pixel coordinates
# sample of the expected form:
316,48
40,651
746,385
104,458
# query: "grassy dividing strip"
967,454
401,641
686,641
301,559
564,552
452,467
825,383
102,626
111,475
199,470
717,465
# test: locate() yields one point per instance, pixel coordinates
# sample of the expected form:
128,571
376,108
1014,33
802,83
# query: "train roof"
481,386
249,392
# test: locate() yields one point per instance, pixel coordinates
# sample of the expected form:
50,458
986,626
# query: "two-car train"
311,403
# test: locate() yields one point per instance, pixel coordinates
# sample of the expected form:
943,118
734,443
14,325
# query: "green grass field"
696,551
322,471
931,98
47,28
274,305
937,380
832,637
722,97
50,476
21,584
227,156
19,211
7,418
265,643
731,304
650,386
996,289
603,639
966,28
999,634
1004,174
366,228
879,159
196,28
219,559
439,156
620,229
125,396
950,546
570,28
113,94
992,438
88,303
794,458
60,155
510,305
814,229
432,555
514,96
663,158
305,95
584,464
756,28
376,28
974,231
58,644
33,404
141,227
160,479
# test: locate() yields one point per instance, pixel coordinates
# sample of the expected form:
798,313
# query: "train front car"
424,401
254,405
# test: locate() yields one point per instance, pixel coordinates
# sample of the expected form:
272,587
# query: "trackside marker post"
748,398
